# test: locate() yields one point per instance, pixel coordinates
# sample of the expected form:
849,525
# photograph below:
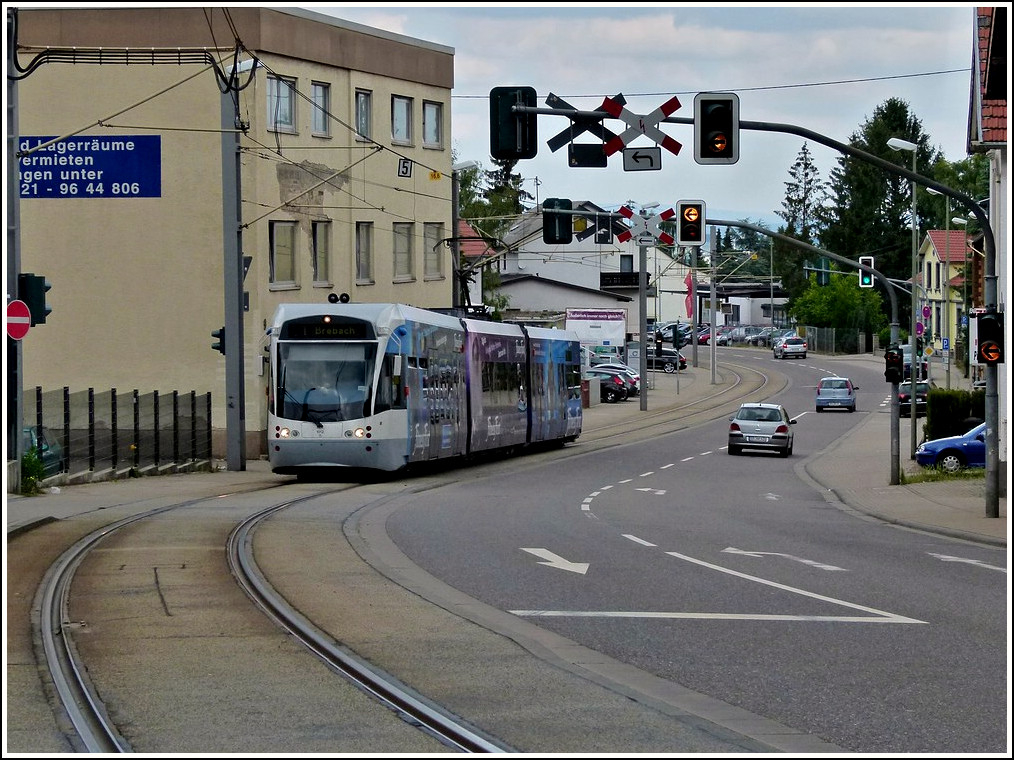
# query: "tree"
841,303
869,210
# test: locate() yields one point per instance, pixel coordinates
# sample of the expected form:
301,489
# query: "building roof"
471,245
987,116
950,245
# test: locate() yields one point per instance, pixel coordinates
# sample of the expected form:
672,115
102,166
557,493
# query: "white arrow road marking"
821,565
949,558
655,491
772,496
554,560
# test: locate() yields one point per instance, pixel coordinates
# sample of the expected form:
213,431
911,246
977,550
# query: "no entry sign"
19,319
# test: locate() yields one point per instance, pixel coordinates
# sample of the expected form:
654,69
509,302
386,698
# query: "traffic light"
512,135
716,128
990,326
894,365
557,229
690,223
219,344
866,278
32,289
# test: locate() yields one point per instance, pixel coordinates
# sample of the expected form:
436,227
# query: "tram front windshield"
325,382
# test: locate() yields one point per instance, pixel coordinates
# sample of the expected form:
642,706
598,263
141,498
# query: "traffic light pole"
14,352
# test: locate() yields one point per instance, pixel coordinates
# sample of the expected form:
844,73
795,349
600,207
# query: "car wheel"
851,409
819,410
950,461
610,396
734,450
669,367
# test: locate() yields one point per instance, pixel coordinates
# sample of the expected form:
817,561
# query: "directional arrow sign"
642,159
554,560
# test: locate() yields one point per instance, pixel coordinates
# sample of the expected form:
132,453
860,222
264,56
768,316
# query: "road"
731,576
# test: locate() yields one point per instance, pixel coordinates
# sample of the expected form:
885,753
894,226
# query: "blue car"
955,453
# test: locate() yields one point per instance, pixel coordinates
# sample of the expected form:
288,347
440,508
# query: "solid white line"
638,540
793,590
708,616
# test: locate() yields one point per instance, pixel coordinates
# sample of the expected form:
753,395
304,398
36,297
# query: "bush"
32,473
953,412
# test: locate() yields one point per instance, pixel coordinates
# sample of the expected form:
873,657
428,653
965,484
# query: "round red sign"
19,319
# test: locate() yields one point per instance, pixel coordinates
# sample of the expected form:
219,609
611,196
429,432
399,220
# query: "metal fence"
104,435
838,340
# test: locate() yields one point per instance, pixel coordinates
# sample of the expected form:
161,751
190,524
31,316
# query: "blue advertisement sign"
119,166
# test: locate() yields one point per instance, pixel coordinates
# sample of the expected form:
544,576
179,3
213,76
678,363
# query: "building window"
321,96
402,250
321,252
626,262
401,119
281,104
364,115
432,125
283,253
433,255
364,252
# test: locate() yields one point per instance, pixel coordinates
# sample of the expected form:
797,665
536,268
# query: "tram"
385,386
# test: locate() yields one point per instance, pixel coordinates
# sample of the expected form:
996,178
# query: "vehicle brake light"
734,426
782,429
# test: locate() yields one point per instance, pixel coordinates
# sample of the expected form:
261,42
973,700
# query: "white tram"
384,386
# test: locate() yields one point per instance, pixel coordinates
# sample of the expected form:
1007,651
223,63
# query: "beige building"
345,185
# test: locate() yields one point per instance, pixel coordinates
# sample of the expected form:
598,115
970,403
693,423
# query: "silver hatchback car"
836,393
789,347
761,426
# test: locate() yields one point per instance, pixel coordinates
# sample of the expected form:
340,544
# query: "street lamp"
947,287
896,143
456,285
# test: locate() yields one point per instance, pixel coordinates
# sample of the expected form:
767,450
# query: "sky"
823,67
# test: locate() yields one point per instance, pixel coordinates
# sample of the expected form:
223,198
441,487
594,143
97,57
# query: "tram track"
93,725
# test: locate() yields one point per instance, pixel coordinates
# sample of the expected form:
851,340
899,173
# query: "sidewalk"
854,472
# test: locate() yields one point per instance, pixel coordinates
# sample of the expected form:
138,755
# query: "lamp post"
456,284
896,143
947,287
964,293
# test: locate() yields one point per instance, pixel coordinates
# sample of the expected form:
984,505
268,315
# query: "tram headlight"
359,432
283,432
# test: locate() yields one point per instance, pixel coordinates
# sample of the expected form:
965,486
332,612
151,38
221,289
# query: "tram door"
445,393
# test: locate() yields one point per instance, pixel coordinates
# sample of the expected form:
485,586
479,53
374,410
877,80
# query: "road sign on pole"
19,319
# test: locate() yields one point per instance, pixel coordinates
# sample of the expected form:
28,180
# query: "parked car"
47,449
628,370
923,370
613,385
667,361
761,426
836,393
724,336
673,332
922,389
789,347
764,337
955,452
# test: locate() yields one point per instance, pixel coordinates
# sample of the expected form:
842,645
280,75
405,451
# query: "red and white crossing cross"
640,225
641,125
